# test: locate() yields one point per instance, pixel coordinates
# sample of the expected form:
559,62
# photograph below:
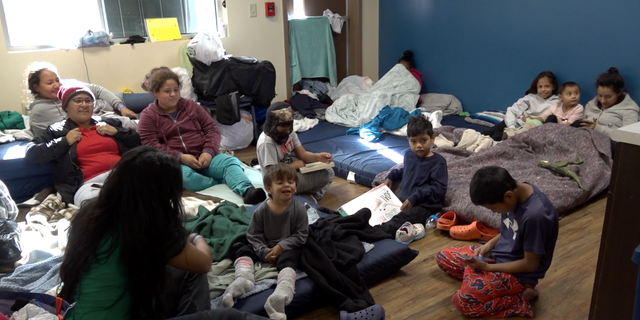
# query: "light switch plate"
253,10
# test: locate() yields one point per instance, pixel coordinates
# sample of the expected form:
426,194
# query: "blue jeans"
222,169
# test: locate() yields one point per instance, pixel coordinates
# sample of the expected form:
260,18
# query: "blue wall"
487,52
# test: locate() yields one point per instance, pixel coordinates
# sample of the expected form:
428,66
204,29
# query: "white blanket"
397,88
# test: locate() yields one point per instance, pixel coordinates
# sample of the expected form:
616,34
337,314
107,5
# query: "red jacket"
193,131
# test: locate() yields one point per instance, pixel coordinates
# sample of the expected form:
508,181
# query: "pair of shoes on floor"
409,232
374,312
474,231
447,220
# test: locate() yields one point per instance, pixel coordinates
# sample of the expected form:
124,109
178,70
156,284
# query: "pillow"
136,101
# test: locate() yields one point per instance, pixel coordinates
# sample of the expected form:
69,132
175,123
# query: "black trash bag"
10,249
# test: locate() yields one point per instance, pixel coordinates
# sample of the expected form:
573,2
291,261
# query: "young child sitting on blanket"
538,98
278,228
568,111
503,285
278,143
424,177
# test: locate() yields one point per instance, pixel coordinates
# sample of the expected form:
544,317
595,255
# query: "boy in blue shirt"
424,177
500,276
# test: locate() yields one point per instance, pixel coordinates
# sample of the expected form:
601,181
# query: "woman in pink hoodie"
184,130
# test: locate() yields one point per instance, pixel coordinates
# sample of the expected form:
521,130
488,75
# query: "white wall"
124,65
370,38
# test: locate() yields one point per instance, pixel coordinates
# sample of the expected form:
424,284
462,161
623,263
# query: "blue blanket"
388,118
38,277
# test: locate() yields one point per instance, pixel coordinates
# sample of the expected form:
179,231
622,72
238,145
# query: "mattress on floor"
22,179
323,131
387,257
458,122
365,159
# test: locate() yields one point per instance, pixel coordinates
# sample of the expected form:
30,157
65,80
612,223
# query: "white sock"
436,118
243,281
283,294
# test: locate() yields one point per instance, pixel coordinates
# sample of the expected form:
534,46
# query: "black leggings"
496,131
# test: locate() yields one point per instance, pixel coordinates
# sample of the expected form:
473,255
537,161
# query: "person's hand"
205,159
324,157
482,251
591,124
388,182
274,253
104,129
74,136
126,112
524,117
190,237
406,205
478,264
190,161
297,164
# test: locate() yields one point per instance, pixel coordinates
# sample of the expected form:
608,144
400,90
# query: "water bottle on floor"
312,214
432,222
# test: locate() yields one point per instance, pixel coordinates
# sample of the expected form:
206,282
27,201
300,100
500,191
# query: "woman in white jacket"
612,108
540,96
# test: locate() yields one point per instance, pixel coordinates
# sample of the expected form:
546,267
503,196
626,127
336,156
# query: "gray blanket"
520,155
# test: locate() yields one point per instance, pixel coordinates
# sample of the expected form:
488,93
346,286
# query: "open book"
315,166
382,202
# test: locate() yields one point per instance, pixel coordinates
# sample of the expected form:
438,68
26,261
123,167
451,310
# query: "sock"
442,142
283,294
254,196
243,281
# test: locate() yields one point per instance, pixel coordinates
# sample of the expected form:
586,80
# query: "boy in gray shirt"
277,231
278,143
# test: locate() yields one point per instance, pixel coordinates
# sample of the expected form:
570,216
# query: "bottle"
432,222
312,214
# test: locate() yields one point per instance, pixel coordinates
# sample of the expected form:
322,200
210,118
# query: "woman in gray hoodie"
612,108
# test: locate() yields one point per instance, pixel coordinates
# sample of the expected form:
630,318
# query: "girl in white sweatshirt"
540,96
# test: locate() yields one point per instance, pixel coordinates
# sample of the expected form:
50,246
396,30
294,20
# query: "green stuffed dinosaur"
560,168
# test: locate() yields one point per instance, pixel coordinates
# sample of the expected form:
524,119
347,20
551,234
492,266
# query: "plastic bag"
186,89
239,135
205,47
95,39
10,249
8,208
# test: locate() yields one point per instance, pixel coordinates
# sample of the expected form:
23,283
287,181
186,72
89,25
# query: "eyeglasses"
79,101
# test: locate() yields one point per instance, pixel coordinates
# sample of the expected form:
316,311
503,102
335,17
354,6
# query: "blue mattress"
23,179
364,159
387,257
323,131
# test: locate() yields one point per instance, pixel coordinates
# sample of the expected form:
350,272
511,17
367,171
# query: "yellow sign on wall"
163,29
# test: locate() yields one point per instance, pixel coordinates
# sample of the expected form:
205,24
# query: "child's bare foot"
530,294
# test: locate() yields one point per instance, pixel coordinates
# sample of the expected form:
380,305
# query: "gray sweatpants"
90,189
315,183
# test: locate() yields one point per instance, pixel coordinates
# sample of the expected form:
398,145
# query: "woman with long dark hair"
129,256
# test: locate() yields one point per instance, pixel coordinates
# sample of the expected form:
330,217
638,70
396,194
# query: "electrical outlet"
253,10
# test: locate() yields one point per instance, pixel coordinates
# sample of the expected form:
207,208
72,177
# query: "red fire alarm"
270,9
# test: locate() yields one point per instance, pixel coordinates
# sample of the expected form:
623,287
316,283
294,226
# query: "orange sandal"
474,231
447,220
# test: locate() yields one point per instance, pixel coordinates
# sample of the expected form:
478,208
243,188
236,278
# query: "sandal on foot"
374,312
474,231
447,220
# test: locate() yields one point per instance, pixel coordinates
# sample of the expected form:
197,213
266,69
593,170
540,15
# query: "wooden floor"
421,290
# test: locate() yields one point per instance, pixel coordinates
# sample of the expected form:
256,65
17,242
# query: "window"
36,24
126,17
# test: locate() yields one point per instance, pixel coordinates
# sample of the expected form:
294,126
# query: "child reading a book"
278,228
519,256
278,143
423,178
